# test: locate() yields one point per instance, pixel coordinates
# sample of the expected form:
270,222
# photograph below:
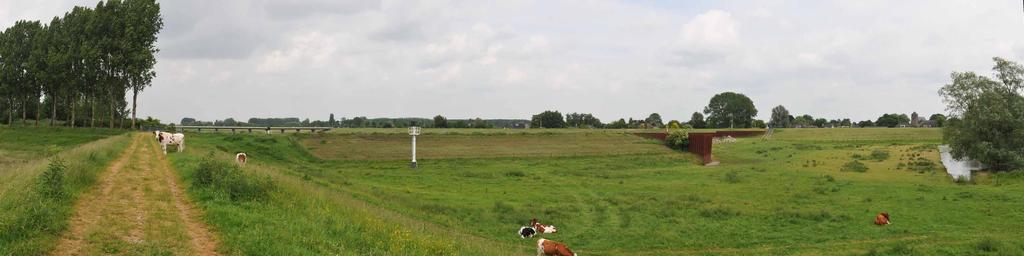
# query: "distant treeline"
361,122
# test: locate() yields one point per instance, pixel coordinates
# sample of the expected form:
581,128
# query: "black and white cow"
166,138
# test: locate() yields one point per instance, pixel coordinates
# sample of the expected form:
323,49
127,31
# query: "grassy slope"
30,223
662,203
761,200
302,218
392,146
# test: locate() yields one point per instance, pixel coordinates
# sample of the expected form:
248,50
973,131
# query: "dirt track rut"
138,207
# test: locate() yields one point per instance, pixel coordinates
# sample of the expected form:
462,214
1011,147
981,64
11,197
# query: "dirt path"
138,208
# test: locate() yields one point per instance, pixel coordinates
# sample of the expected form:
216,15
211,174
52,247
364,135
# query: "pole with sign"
413,131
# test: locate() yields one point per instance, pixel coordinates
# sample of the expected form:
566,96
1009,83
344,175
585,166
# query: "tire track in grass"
138,208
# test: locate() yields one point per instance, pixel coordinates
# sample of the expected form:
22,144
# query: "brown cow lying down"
541,228
882,219
551,248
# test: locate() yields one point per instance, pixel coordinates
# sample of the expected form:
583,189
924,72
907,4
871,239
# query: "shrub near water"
226,179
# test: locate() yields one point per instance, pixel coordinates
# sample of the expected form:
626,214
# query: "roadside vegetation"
42,173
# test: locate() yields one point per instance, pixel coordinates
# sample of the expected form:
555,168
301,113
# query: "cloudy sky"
511,59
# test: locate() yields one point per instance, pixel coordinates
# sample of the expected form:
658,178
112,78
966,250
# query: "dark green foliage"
780,117
229,180
440,122
51,181
697,121
987,116
854,166
879,155
892,120
677,140
730,110
548,119
654,120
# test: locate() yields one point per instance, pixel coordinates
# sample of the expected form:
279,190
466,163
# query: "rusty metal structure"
701,143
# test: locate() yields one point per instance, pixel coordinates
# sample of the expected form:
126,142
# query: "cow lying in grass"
541,228
166,138
551,248
882,219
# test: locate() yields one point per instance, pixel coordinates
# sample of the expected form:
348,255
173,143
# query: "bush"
678,140
880,155
854,166
227,179
51,181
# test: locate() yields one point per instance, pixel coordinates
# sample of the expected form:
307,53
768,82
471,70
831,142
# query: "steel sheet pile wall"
700,144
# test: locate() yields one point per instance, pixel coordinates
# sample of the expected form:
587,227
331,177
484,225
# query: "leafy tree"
619,124
480,123
987,116
331,120
582,120
697,121
866,123
758,123
780,117
889,120
654,120
939,119
548,119
730,110
846,122
820,122
674,124
804,121
440,121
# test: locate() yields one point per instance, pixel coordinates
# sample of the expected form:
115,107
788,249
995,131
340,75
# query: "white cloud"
615,59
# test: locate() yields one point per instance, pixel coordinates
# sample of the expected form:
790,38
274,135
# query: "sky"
851,59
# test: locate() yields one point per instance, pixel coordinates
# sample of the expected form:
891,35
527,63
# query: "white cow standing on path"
166,138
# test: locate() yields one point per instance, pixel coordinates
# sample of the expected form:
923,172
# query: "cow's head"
886,214
159,137
525,232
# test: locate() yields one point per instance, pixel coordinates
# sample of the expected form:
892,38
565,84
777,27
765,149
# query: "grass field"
34,206
805,191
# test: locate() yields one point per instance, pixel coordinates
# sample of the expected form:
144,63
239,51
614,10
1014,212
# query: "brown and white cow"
241,158
882,219
166,138
541,228
551,248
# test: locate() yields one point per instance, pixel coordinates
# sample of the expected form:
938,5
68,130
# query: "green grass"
785,195
37,190
392,146
297,216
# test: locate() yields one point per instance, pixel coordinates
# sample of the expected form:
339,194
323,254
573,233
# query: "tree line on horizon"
83,63
725,110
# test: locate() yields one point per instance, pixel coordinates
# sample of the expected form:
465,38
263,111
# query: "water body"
958,169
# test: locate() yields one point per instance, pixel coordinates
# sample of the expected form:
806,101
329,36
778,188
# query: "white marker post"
413,131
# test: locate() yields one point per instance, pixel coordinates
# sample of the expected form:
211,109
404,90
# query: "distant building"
914,120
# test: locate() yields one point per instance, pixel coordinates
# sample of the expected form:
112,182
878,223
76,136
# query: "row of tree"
88,58
782,119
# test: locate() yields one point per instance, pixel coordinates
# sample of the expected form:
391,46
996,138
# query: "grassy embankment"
36,192
295,216
805,191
